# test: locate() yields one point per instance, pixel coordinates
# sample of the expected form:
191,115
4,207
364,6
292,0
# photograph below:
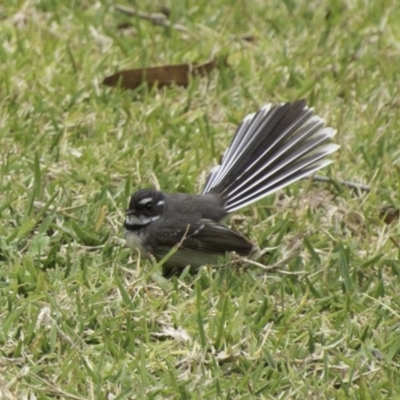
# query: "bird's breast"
135,241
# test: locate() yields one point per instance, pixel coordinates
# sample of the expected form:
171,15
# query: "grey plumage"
278,145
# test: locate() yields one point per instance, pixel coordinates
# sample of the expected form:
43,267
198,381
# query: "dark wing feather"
208,236
214,237
200,244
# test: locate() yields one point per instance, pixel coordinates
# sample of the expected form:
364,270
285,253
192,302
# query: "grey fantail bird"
272,148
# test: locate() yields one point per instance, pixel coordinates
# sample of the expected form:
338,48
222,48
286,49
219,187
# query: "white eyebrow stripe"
146,200
160,203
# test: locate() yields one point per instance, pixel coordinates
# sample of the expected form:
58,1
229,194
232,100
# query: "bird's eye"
149,206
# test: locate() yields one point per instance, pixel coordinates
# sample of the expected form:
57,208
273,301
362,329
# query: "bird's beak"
130,212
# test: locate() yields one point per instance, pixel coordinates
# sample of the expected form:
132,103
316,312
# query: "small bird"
272,148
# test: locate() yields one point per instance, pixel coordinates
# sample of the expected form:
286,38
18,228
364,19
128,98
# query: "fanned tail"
271,149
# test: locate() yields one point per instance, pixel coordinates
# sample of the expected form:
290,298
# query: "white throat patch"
140,221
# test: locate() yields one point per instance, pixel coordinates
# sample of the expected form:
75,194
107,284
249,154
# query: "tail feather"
270,170
273,122
272,148
263,188
274,159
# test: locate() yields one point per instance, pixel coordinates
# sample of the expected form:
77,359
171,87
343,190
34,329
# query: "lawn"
82,317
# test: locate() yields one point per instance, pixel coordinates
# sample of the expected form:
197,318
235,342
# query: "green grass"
82,318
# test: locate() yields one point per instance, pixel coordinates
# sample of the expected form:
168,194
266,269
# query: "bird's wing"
198,244
215,237
208,236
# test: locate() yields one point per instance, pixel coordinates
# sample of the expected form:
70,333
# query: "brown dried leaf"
167,75
389,214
